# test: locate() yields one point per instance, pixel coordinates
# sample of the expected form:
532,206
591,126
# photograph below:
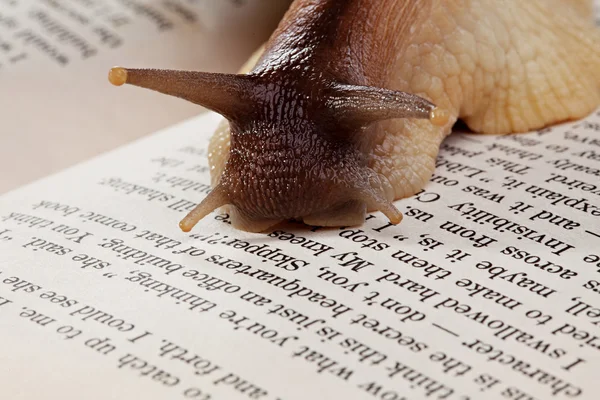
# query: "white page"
442,306
56,104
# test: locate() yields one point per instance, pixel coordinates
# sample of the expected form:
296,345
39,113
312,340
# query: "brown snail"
343,110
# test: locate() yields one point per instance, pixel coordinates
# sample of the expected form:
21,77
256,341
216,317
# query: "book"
488,289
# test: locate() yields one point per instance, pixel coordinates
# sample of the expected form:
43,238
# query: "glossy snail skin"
344,109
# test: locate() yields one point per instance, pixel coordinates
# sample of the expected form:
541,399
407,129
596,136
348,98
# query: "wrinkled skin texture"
502,66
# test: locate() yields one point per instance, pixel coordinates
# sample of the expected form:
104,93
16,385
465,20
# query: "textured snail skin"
344,109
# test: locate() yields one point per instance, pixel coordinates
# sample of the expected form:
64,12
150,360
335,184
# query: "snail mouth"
257,203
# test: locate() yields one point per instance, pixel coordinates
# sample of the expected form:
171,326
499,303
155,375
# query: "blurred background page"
56,105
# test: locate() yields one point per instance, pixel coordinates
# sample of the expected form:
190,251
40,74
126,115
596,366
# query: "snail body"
344,109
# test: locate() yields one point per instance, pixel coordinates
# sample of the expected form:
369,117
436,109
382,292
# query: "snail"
343,110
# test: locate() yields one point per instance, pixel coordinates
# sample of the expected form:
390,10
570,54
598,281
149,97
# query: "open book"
488,289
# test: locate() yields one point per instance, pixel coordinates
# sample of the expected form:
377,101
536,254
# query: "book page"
488,289
57,106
